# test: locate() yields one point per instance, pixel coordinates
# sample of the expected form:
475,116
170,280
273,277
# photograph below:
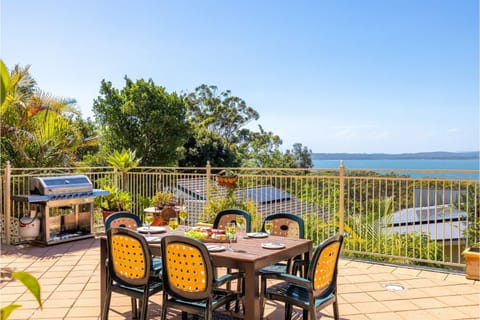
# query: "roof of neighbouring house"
269,199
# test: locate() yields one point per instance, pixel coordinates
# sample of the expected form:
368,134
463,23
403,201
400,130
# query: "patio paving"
69,276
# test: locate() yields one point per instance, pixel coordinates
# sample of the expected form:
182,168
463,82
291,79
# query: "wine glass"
183,214
173,223
240,221
147,221
230,230
268,226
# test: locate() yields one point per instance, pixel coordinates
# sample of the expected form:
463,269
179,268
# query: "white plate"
257,235
273,245
215,248
153,229
153,239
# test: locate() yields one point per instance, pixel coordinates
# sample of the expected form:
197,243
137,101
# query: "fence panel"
386,216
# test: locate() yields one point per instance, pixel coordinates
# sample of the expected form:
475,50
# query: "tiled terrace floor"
70,279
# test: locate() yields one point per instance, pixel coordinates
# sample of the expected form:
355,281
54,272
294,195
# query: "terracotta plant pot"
226,181
162,216
472,263
106,213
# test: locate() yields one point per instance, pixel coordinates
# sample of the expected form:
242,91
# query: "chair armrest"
288,278
298,264
227,278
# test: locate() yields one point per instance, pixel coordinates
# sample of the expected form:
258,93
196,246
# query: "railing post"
342,197
208,173
7,204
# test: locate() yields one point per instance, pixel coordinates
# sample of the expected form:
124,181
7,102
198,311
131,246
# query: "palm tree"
37,129
124,161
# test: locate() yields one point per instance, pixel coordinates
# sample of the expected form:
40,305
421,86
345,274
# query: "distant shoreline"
439,155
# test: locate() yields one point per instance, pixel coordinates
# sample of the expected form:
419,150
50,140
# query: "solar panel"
267,195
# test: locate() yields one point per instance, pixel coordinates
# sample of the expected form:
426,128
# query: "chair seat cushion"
157,266
294,294
275,268
155,286
218,298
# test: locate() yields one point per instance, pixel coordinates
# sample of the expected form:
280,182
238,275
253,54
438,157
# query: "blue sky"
369,76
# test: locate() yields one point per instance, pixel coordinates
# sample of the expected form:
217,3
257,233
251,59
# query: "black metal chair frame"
235,211
140,288
197,302
306,293
294,265
248,226
122,214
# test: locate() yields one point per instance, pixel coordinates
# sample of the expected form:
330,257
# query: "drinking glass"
183,214
147,221
268,227
173,223
240,221
230,230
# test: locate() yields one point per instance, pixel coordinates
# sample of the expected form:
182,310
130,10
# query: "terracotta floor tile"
22,314
400,305
437,291
50,313
356,297
83,311
370,307
406,271
447,313
416,314
428,303
471,311
59,303
345,309
384,316
455,301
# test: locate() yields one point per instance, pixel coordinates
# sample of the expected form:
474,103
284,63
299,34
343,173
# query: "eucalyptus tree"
262,150
219,112
142,117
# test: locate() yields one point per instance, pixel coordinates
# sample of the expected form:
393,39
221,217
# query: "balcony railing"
386,215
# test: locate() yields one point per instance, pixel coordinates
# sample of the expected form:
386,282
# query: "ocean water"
410,164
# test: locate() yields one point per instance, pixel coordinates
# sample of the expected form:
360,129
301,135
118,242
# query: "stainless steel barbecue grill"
64,205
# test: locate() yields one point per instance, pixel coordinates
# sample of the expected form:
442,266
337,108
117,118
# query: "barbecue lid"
59,184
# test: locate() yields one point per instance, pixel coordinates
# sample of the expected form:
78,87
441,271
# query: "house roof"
268,199
439,222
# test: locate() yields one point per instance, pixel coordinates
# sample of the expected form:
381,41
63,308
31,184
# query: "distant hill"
439,155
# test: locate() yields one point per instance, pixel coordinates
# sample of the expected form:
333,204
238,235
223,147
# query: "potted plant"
469,203
472,262
164,204
117,200
226,178
162,199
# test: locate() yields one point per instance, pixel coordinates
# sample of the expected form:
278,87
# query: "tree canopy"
162,128
145,118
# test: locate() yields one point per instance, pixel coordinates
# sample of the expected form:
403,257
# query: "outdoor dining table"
248,255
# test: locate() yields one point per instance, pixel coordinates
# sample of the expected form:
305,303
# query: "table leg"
103,273
251,299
